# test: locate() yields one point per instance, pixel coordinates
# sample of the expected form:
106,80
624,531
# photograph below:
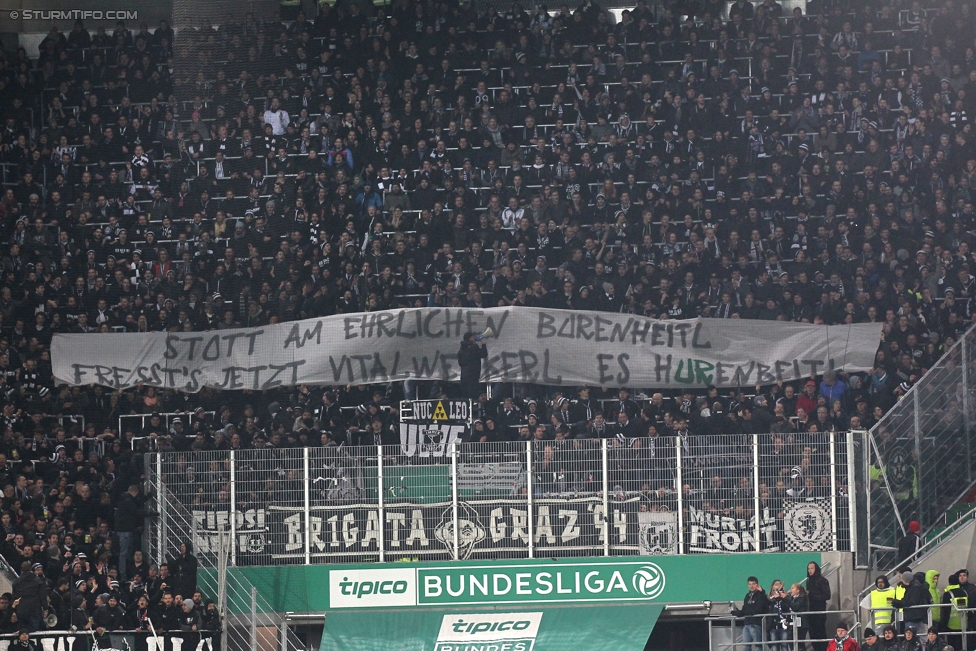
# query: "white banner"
657,533
715,534
428,439
806,525
533,345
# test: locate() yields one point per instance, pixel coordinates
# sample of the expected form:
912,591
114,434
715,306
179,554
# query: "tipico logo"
371,588
649,580
488,632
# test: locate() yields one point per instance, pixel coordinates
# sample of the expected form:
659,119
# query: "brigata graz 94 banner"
497,528
534,345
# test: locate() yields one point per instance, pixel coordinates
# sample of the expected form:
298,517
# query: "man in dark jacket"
754,605
909,545
190,620
128,521
469,359
30,597
109,616
165,615
914,603
818,589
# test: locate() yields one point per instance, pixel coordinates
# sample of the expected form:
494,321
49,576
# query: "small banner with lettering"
433,426
715,533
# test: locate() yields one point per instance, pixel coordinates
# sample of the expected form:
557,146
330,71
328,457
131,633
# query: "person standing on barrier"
30,597
754,605
842,640
129,516
818,589
469,360
881,597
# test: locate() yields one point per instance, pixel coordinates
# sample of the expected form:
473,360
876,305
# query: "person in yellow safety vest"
954,597
932,581
881,598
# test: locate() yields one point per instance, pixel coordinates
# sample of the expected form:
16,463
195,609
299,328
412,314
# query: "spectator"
779,626
799,603
842,641
909,545
871,640
754,605
30,596
910,641
129,516
184,568
915,602
818,590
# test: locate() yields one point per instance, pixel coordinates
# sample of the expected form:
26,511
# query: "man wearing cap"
909,545
109,616
958,596
871,641
842,640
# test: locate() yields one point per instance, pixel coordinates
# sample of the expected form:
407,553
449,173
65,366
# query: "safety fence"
920,454
950,617
521,499
248,622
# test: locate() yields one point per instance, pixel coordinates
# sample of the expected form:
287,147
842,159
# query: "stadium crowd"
685,160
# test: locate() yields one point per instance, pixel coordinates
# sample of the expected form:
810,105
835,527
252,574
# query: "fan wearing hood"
881,598
80,620
932,582
914,603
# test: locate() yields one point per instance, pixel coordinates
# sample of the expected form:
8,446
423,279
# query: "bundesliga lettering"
524,583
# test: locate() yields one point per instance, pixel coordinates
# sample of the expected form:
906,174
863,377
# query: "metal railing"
88,640
896,617
779,632
919,460
248,621
931,542
520,499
